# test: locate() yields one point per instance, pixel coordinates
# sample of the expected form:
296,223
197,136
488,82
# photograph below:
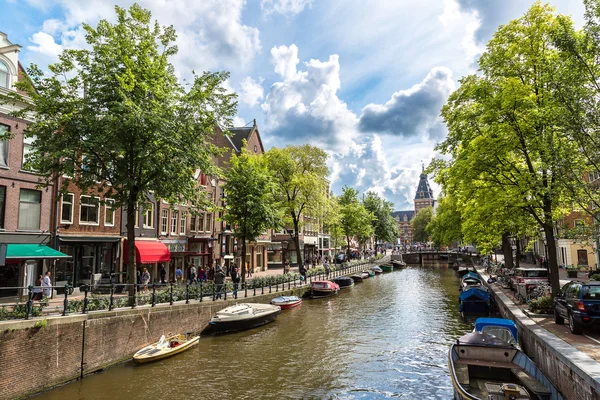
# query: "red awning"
148,252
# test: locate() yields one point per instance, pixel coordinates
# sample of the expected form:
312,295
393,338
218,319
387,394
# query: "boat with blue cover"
474,300
485,367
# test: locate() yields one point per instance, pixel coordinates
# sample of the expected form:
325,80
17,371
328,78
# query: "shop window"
29,209
109,212
4,131
66,208
174,218
89,210
149,216
164,222
182,223
2,205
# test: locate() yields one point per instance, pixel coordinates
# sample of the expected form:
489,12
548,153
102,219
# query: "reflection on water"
386,337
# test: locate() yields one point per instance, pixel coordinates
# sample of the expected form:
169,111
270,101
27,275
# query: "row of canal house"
80,236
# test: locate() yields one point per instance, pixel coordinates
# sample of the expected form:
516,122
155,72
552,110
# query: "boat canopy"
482,339
474,292
488,325
471,275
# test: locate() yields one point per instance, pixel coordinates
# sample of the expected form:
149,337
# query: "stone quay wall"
34,358
575,375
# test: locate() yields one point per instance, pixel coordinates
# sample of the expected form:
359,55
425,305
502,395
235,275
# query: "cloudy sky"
363,79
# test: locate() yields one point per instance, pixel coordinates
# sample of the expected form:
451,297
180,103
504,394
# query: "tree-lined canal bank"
387,336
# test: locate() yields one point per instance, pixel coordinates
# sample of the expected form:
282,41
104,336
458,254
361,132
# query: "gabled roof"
410,214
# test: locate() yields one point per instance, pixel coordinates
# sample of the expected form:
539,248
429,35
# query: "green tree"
445,226
355,219
115,113
506,131
250,204
301,187
384,226
419,224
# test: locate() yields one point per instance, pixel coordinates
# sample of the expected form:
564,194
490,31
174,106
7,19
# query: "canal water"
388,337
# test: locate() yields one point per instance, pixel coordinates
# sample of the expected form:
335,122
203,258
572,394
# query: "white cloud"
44,44
251,92
285,7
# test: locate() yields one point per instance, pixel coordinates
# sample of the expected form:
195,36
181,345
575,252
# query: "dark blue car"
578,303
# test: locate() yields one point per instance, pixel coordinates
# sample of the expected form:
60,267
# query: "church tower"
424,197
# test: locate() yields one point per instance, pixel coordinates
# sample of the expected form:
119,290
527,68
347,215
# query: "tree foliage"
301,187
506,131
419,224
116,114
250,202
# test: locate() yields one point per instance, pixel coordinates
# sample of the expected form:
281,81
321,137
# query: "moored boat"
376,270
165,347
484,367
344,282
240,317
286,302
323,289
474,301
387,268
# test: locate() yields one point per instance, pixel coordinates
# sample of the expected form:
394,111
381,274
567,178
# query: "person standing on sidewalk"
219,280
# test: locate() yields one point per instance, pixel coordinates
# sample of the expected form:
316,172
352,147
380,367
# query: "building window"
29,209
200,222
193,223
89,210
4,131
208,227
174,217
149,216
2,205
66,209
182,223
109,212
164,222
27,149
4,75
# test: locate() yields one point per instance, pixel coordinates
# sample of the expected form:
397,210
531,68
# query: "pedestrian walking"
47,285
145,279
37,290
219,281
178,275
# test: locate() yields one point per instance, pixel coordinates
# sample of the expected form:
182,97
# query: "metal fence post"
85,299
66,301
154,294
111,303
187,293
29,302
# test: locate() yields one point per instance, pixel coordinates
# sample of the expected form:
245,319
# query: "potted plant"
572,271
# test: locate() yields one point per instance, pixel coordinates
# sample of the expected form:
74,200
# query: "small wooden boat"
240,317
344,282
376,270
398,264
369,273
387,268
286,302
323,289
165,347
357,277
484,367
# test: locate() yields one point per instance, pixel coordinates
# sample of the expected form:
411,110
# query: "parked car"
340,258
579,303
525,279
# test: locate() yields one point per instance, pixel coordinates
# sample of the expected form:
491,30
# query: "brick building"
423,199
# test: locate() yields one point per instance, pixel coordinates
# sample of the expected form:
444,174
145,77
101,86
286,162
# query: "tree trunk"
518,259
296,239
507,250
552,259
131,260
243,269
